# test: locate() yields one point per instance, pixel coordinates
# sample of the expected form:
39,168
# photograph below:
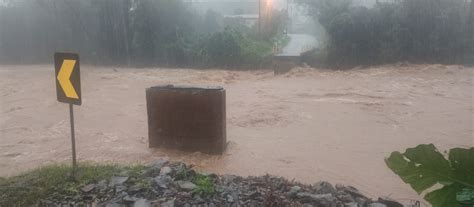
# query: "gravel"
175,184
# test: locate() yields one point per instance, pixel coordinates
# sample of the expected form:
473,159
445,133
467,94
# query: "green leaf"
445,196
421,167
424,166
462,161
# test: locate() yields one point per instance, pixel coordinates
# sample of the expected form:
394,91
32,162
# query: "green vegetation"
183,173
138,33
424,166
56,180
205,185
234,48
404,30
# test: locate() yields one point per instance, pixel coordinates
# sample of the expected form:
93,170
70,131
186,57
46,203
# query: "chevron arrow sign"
68,78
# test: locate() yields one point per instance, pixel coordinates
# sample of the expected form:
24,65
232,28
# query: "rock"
113,204
351,204
171,186
129,198
142,203
293,191
228,179
253,195
221,188
362,201
155,167
169,203
169,193
165,170
353,192
321,198
235,195
389,202
159,163
229,199
197,198
344,197
117,180
101,185
186,185
163,181
135,189
377,205
323,187
120,188
88,188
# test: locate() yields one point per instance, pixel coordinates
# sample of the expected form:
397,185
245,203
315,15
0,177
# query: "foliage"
424,166
224,47
130,32
205,185
160,32
232,48
405,30
28,188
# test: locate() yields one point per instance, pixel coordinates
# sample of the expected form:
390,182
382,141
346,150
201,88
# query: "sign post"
68,89
73,136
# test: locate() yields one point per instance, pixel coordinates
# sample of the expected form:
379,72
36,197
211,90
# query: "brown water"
308,124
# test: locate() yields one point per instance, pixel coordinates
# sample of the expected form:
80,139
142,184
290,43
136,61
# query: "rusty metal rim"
168,87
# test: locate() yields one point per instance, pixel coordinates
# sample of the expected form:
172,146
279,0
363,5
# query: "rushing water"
309,125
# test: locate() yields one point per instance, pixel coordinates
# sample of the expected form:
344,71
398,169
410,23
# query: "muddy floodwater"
308,124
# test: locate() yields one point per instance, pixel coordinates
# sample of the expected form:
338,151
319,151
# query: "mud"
308,124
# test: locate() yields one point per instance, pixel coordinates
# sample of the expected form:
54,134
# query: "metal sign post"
68,89
73,137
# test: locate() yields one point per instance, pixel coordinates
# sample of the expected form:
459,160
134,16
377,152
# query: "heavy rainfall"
337,103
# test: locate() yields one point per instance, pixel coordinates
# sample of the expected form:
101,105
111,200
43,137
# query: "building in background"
246,11
225,7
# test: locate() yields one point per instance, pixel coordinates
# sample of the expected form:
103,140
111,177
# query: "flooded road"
308,124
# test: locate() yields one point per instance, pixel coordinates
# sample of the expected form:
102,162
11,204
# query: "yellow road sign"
63,78
68,80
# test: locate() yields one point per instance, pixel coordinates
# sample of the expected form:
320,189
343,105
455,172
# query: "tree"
413,30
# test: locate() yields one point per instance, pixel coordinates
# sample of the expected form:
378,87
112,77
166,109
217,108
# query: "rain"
236,103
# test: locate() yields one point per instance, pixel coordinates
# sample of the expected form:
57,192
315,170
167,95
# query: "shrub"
130,32
407,30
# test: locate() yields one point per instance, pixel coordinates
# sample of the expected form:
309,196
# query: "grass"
205,185
56,180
